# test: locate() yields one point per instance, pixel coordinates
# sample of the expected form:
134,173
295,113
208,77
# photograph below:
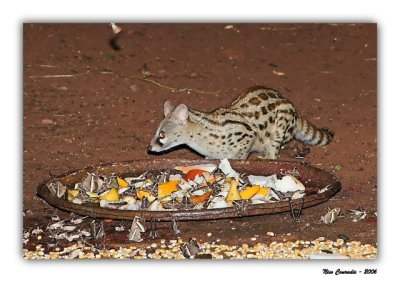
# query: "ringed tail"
309,134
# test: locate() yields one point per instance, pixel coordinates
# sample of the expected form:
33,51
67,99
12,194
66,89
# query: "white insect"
358,214
37,231
175,227
68,228
298,195
326,188
85,233
116,29
56,188
72,237
87,182
97,230
26,237
60,236
27,234
330,216
75,253
57,225
78,220
136,229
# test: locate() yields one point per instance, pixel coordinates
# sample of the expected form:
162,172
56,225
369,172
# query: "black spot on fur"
271,107
241,138
264,110
264,96
255,101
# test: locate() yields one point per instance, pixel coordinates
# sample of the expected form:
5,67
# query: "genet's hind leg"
268,156
242,154
279,136
272,147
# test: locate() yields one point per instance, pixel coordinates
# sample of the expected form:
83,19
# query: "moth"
330,216
97,230
136,229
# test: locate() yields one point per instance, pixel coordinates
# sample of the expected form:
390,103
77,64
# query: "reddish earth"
77,113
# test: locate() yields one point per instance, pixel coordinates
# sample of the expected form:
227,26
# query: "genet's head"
171,131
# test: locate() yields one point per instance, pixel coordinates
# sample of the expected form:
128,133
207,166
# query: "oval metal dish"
310,176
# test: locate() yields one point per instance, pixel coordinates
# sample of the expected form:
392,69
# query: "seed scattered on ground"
300,249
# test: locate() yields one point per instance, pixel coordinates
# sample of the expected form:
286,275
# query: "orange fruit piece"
167,188
111,196
249,192
142,194
122,183
202,198
263,191
191,174
212,179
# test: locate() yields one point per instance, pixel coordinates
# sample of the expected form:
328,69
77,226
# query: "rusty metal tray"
313,178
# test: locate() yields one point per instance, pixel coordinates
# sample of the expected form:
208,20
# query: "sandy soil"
83,104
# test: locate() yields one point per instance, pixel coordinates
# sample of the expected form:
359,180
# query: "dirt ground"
84,104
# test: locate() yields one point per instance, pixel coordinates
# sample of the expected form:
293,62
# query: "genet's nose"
149,147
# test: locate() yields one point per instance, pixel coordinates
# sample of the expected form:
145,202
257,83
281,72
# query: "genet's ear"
168,108
181,114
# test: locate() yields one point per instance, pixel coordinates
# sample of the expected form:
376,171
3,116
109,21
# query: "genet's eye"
161,134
